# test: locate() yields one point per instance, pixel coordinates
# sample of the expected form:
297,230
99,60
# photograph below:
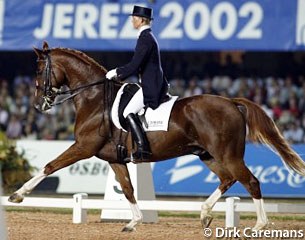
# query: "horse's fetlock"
138,219
205,207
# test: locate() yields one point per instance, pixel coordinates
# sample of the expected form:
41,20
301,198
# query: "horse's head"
50,77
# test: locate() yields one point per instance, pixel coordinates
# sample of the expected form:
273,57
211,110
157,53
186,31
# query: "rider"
147,63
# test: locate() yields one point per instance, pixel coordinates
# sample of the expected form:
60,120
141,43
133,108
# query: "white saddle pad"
157,119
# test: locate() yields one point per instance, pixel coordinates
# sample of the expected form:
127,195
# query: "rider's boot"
143,150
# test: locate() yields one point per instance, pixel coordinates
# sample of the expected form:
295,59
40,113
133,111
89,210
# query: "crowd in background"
283,99
20,120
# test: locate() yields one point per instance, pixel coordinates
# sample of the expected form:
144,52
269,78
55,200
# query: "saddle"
152,120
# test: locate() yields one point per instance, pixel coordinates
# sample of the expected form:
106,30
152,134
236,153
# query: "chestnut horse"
212,127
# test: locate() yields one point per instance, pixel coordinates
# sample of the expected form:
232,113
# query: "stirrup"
142,155
138,157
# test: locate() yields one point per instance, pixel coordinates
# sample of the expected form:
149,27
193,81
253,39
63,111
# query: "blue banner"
178,25
189,176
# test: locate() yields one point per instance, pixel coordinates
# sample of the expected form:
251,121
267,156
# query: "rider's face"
136,22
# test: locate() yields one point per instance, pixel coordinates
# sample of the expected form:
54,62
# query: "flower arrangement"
15,168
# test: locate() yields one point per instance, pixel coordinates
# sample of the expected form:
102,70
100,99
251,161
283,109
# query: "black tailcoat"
146,62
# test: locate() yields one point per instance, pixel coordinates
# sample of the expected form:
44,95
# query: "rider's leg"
135,104
137,131
139,136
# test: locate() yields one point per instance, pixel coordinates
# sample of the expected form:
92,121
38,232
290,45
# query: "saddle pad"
157,119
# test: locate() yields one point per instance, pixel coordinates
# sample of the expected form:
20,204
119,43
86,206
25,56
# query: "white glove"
111,74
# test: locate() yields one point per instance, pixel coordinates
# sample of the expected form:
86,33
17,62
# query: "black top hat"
142,12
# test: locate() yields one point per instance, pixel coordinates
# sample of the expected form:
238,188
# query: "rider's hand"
111,74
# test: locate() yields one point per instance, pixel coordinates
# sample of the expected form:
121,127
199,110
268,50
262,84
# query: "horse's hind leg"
122,175
250,182
226,181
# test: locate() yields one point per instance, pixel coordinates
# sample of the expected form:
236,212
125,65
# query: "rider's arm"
141,53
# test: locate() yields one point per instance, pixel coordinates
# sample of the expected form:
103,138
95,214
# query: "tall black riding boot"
139,136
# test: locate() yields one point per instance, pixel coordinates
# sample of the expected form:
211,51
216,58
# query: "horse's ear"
37,51
45,46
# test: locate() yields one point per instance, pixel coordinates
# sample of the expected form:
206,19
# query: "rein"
108,98
74,91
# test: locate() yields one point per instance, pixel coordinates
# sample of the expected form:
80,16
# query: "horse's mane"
81,56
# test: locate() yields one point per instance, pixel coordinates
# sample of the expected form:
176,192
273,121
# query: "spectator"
287,89
14,128
276,109
193,87
4,116
177,87
30,129
293,106
294,133
207,86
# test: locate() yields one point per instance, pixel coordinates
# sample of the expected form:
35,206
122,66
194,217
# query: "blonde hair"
146,21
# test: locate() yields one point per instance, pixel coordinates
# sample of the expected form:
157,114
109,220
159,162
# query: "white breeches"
135,104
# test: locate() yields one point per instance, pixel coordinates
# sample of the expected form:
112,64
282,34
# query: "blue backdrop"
178,25
189,176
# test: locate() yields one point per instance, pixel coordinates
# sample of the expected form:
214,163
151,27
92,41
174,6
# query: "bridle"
50,92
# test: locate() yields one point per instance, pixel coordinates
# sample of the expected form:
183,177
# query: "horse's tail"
262,129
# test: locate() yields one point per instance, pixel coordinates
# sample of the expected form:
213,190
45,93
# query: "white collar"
142,28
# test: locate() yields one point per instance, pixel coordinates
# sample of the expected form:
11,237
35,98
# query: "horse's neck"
80,71
86,78
100,96
83,71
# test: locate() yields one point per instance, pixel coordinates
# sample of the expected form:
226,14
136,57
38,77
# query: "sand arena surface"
28,225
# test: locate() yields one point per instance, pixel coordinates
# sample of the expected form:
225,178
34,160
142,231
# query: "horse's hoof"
260,226
16,198
128,229
206,221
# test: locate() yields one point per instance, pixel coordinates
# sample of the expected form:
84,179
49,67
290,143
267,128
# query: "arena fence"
80,203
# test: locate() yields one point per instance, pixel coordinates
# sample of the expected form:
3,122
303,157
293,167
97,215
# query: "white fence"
232,207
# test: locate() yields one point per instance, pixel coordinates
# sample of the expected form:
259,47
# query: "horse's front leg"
123,177
70,156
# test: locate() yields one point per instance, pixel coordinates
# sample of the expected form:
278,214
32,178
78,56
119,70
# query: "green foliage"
15,168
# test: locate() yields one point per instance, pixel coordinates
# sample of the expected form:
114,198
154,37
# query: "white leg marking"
207,206
262,220
137,217
32,183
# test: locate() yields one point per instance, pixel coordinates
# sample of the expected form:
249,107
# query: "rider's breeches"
135,104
